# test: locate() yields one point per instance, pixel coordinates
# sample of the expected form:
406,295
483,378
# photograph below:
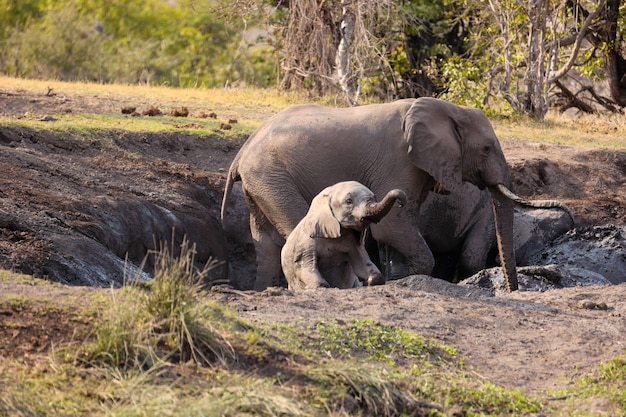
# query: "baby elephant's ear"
321,219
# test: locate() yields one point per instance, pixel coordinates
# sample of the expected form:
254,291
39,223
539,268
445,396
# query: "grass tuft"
363,387
162,321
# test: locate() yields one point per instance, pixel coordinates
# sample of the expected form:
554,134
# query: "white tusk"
511,195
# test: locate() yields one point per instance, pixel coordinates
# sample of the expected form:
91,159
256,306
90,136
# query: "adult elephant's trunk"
503,216
380,209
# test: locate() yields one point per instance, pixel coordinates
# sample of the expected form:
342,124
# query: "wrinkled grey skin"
459,230
326,248
411,144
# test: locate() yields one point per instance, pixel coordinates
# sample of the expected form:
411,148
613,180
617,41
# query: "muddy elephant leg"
476,246
403,239
267,248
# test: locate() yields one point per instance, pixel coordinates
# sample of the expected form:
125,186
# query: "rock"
535,278
430,284
588,253
537,228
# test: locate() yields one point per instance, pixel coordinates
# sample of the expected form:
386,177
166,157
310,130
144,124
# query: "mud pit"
72,209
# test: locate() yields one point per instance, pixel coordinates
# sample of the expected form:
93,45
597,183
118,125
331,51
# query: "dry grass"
607,131
251,106
109,98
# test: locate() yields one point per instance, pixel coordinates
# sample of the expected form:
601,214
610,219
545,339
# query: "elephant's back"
316,116
318,146
331,129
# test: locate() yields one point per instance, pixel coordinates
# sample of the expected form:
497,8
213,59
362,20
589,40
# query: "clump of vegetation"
367,389
608,385
376,341
164,322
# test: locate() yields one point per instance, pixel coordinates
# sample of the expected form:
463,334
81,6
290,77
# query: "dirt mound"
73,210
590,181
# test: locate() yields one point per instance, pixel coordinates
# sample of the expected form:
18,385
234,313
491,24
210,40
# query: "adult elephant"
415,145
459,230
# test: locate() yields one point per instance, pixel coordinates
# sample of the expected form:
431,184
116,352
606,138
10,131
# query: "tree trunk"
615,63
342,61
534,102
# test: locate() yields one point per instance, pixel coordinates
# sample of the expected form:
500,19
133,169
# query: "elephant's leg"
397,232
307,278
475,249
267,245
268,271
364,268
300,263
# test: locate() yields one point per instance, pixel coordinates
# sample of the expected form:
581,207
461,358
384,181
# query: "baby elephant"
326,249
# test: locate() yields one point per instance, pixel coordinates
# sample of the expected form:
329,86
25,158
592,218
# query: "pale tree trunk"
503,17
342,60
535,102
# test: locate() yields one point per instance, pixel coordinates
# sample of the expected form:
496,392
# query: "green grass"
102,105
250,107
607,385
94,126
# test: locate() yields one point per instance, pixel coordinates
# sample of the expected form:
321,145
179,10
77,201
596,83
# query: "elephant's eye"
348,201
486,149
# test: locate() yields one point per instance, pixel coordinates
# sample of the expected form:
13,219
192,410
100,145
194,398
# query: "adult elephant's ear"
322,221
432,130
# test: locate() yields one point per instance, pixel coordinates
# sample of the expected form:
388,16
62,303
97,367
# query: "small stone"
587,304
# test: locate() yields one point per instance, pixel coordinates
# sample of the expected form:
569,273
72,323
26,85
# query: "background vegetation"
499,55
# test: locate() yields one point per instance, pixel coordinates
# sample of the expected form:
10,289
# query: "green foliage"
373,392
374,340
155,41
490,399
609,383
465,81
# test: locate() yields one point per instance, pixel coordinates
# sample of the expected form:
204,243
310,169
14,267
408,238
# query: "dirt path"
533,341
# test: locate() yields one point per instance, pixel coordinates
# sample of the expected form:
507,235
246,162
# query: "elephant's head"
350,205
454,144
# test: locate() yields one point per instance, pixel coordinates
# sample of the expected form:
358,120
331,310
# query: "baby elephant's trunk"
380,209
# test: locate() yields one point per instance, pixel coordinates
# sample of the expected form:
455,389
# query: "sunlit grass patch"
607,385
485,398
596,131
247,105
377,341
102,127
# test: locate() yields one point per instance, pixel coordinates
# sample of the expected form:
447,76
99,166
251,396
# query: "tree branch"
573,101
579,39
